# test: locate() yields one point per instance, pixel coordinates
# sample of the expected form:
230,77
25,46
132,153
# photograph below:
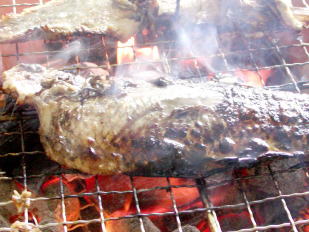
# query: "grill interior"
24,167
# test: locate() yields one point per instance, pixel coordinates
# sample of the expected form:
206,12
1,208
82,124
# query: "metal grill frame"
202,183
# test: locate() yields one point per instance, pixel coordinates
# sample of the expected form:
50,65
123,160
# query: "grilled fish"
257,13
159,128
119,18
123,18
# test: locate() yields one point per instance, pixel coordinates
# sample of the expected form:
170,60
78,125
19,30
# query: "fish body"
124,18
178,129
256,13
119,18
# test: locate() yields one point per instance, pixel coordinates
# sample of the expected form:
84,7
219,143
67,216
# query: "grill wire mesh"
204,185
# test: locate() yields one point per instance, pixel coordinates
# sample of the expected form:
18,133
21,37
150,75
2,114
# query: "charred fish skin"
119,18
181,129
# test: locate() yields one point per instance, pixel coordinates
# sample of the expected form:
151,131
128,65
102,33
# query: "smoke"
141,63
200,42
70,51
211,38
206,29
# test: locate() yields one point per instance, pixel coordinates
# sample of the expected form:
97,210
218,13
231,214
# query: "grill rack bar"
209,185
63,211
192,58
99,193
103,227
212,218
166,61
248,206
285,206
138,209
251,55
283,61
301,44
181,212
255,228
14,5
258,228
26,218
174,206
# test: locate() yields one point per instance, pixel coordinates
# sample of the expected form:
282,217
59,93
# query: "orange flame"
254,78
128,53
125,52
148,53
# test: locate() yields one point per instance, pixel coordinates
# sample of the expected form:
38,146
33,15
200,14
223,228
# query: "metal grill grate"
205,186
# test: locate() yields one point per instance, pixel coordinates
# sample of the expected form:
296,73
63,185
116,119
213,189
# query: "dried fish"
257,13
123,18
182,129
119,18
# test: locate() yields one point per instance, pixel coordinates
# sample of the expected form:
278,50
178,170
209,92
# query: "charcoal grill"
23,156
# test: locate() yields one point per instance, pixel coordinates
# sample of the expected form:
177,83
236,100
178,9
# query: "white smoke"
70,51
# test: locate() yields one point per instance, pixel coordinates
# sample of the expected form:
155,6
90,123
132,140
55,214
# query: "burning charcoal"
132,225
40,211
188,228
303,215
263,186
51,188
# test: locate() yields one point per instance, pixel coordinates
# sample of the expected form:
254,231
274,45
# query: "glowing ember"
304,215
128,53
238,220
254,78
125,52
72,205
148,53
